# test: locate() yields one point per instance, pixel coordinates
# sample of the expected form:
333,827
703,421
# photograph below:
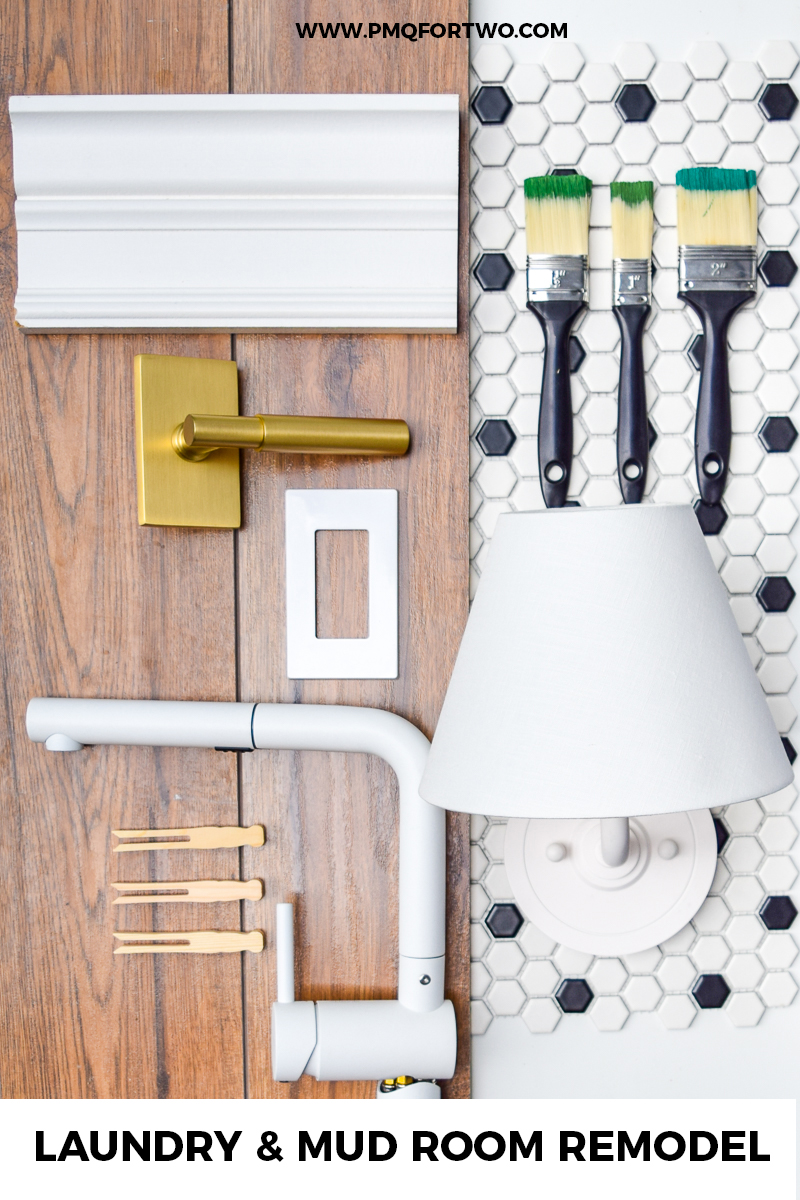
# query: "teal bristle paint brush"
632,238
557,226
717,231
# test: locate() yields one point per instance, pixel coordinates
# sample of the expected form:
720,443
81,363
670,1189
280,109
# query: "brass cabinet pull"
199,436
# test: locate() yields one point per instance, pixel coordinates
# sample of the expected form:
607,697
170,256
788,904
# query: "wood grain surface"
332,818
342,581
93,605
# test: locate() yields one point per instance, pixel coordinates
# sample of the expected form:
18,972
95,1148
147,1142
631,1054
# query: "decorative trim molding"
246,309
236,212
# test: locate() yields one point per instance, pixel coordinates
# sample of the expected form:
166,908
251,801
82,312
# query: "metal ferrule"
717,268
633,280
557,277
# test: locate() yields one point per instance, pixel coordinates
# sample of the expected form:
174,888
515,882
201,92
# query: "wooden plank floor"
93,605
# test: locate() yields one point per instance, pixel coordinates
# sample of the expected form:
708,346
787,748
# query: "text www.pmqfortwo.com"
417,31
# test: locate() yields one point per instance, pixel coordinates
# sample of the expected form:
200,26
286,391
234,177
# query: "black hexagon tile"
491,105
722,834
574,995
711,991
791,753
778,912
777,268
652,435
777,434
563,171
778,102
696,351
775,593
493,272
711,517
635,102
577,354
496,438
504,921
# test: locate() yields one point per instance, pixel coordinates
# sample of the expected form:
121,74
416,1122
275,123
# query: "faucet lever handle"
284,950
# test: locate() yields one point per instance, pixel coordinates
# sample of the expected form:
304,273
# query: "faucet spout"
412,1035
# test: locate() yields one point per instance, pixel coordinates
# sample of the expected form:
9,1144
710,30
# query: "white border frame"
372,657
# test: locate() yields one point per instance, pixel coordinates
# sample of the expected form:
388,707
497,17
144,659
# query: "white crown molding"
236,212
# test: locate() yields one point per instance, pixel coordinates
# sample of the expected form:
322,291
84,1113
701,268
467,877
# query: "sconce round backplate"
583,903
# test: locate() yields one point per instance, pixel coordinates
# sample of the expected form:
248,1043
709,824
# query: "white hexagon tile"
637,117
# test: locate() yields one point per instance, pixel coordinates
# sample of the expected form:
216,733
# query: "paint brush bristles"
716,207
557,214
632,219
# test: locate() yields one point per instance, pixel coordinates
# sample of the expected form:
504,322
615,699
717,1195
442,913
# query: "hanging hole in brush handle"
712,439
555,407
632,432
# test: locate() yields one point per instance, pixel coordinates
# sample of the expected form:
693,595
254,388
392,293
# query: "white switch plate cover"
310,657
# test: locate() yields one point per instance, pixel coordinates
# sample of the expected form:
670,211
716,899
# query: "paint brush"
557,226
632,238
717,229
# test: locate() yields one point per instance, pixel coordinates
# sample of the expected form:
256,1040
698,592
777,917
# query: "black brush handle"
555,407
632,432
712,435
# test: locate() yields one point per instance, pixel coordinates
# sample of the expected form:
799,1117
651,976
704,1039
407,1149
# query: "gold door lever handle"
199,436
187,467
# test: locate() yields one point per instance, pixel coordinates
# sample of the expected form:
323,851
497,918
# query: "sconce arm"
615,840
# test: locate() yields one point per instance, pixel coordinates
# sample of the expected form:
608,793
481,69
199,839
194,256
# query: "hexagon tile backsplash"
635,118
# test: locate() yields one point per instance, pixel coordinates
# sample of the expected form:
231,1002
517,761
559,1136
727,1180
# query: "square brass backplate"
171,490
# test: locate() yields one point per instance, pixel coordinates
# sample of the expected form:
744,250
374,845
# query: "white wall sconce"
236,212
604,701
414,1035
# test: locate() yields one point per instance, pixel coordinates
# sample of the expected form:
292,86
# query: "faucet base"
362,1039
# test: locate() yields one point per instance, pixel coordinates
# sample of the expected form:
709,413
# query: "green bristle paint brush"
717,230
632,237
557,225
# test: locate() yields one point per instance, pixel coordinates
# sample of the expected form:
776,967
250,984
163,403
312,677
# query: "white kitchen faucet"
414,1035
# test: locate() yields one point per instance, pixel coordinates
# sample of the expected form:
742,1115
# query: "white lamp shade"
601,674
